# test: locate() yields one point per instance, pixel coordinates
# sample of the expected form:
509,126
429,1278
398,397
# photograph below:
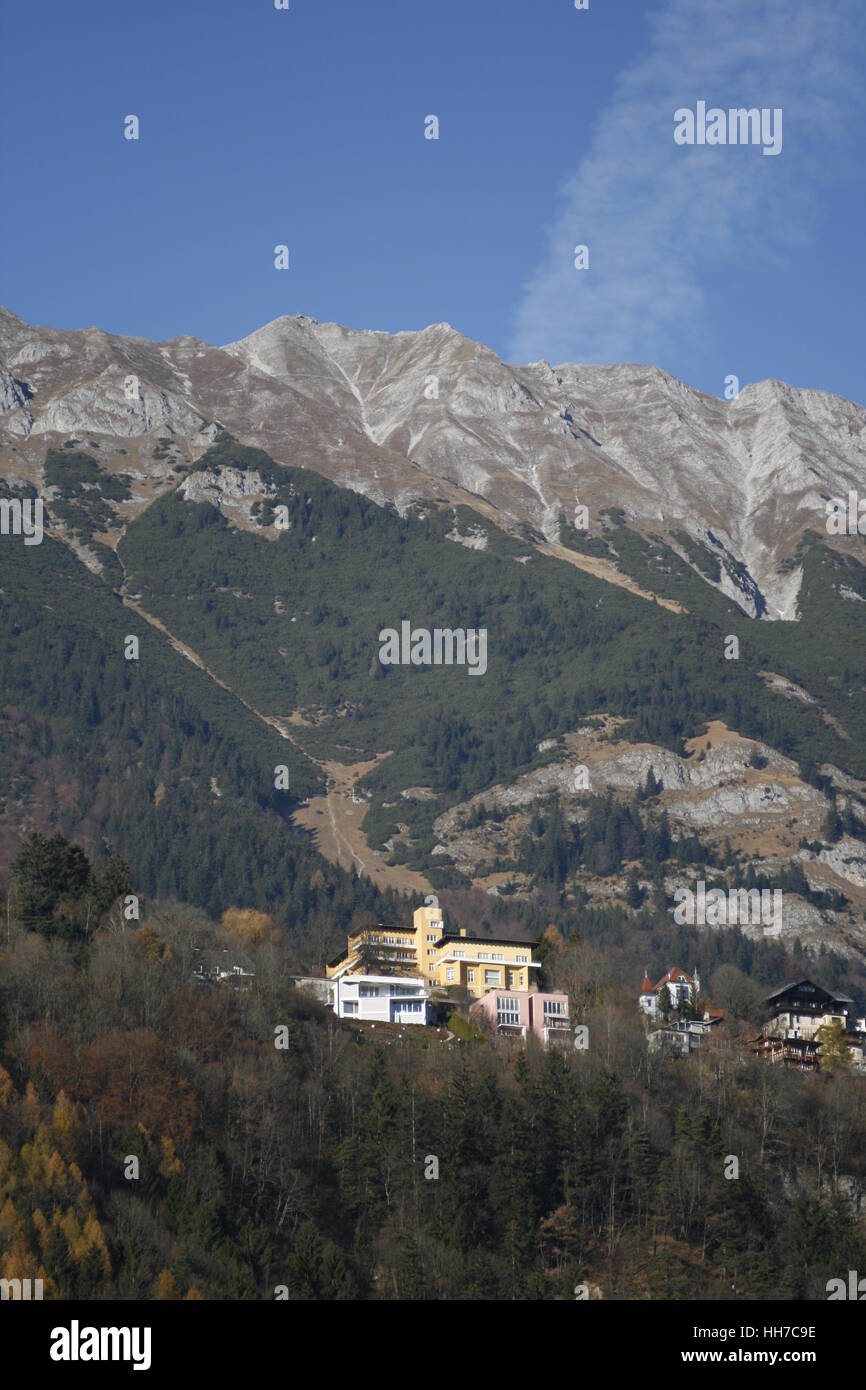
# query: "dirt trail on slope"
590,564
336,821
274,721
604,569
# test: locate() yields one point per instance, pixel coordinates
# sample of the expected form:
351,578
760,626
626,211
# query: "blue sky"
306,127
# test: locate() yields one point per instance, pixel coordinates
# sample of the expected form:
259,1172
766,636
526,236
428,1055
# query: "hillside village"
426,975
405,977
805,1023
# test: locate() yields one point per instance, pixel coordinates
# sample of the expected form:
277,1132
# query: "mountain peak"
431,415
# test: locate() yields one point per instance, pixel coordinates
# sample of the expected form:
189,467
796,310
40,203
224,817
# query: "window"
491,977
470,975
449,973
521,960
432,937
460,954
554,1006
369,991
483,955
507,1011
497,955
350,1006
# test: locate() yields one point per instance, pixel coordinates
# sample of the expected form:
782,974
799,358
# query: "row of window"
395,991
433,937
491,977
483,955
508,1011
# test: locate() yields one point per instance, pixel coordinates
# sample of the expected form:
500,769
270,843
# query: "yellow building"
426,950
374,950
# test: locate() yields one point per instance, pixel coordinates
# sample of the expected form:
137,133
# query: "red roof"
674,977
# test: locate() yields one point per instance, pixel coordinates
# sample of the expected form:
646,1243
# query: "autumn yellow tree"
164,1286
247,925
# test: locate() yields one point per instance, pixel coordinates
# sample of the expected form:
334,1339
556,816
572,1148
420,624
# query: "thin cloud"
658,217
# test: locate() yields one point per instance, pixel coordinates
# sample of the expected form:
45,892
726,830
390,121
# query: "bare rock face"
14,395
425,416
475,538
848,860
716,789
725,803
233,488
728,788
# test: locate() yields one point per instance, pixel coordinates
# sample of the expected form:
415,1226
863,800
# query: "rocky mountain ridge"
414,418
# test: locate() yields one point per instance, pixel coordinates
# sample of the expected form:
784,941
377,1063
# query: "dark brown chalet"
797,1011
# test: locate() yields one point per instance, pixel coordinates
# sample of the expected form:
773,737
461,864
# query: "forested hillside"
150,755
177,766
310,1165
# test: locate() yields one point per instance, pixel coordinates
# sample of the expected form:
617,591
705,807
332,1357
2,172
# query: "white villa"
381,998
679,986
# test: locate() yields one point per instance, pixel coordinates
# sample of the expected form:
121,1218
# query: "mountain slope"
425,416
417,477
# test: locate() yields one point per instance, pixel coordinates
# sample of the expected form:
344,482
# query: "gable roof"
819,989
677,976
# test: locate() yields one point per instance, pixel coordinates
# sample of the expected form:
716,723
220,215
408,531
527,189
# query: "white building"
679,987
214,966
381,998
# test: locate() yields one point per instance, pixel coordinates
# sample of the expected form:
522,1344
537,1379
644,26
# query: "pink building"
515,1013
